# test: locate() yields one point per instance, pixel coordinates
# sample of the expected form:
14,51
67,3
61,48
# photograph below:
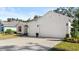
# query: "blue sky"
22,12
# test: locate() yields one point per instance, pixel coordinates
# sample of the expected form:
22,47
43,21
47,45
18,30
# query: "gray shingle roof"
10,24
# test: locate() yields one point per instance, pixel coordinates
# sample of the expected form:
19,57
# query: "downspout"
69,29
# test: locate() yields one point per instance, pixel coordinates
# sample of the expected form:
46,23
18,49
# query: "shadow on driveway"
35,47
24,48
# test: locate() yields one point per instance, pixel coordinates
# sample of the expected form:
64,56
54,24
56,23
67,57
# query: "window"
66,24
26,28
26,25
1,24
19,29
37,25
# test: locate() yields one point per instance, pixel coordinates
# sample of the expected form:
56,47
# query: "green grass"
66,46
7,36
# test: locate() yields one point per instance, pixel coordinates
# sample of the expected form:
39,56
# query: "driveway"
28,44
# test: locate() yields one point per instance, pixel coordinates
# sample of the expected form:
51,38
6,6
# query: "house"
17,26
9,25
50,24
22,28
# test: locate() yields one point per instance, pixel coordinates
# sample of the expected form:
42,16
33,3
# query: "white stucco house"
50,24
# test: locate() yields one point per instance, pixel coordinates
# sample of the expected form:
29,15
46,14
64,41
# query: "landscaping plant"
9,31
75,28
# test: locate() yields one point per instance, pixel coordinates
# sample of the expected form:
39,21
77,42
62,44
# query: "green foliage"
68,11
75,29
29,20
72,40
77,13
36,16
14,32
74,32
9,31
67,46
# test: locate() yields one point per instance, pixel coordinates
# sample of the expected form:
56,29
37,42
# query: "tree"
57,10
77,13
13,19
68,11
36,16
74,30
28,20
75,25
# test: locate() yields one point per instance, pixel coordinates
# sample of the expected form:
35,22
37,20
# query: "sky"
22,12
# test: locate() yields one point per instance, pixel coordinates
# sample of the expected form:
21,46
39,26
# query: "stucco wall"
23,29
50,25
32,29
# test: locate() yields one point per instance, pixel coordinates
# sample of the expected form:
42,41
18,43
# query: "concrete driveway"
28,43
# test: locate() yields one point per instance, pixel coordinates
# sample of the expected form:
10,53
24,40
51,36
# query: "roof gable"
53,13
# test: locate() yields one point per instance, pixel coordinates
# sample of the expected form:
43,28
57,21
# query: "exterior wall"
12,28
22,31
50,25
22,28
32,29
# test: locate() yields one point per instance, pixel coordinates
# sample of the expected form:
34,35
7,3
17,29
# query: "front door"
26,29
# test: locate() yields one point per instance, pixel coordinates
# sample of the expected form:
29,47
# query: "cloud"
5,13
22,13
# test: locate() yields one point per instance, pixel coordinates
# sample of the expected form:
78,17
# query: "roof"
22,23
52,13
57,14
34,19
10,24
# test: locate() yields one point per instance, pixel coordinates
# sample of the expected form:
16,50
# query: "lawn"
66,46
6,36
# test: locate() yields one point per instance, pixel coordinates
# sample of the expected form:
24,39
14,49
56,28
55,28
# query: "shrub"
9,31
72,39
14,32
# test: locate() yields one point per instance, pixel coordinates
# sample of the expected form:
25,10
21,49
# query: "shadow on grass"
56,49
55,40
